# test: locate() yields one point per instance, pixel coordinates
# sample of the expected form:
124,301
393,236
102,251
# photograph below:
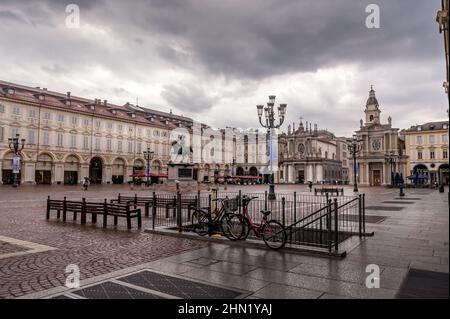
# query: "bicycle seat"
265,212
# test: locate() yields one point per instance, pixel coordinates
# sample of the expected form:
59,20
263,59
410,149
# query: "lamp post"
148,155
354,147
16,147
392,161
269,124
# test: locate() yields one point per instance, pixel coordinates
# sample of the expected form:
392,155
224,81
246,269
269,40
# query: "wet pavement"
410,244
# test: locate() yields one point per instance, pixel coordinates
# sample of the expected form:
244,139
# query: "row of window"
85,122
432,155
432,139
73,141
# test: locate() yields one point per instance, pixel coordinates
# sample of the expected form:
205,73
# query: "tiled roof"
430,126
82,105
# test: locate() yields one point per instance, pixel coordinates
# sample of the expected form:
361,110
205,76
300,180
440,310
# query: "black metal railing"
310,220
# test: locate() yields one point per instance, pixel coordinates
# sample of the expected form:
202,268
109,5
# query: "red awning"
162,175
240,177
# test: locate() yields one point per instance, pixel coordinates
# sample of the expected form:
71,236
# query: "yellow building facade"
426,146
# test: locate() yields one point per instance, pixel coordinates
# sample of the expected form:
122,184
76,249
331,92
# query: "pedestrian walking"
86,183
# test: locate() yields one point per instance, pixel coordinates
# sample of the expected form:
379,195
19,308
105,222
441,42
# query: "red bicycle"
272,232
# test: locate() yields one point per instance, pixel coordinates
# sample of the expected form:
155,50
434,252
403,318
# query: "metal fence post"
329,223
153,210
336,225
179,219
265,200
364,213
360,214
209,203
240,201
283,206
295,207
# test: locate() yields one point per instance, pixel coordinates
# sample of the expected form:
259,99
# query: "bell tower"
372,108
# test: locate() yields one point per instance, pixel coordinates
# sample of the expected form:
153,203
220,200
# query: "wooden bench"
170,203
121,210
55,205
127,210
329,190
76,207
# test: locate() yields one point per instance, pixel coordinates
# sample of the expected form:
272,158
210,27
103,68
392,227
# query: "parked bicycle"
223,220
272,232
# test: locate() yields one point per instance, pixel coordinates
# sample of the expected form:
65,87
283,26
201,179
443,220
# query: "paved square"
415,237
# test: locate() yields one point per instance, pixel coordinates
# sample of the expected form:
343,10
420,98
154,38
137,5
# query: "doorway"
96,170
301,176
43,177
376,177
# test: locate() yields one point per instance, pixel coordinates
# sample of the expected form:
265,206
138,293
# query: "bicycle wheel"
274,235
200,222
247,229
232,226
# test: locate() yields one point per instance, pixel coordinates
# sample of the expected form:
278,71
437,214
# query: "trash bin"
441,188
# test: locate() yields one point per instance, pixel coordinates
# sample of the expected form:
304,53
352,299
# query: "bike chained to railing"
308,220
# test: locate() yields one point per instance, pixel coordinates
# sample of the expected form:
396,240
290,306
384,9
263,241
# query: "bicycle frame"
257,228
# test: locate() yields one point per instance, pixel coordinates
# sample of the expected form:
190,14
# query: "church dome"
372,100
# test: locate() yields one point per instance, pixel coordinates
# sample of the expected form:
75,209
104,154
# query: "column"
129,171
291,174
319,173
58,170
309,175
1,172
107,178
366,179
28,173
84,172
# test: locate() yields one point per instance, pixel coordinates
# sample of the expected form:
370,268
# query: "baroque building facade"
426,146
69,138
310,155
381,155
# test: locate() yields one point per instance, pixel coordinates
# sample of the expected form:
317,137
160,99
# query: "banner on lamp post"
16,164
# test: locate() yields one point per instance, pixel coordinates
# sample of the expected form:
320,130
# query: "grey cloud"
188,97
233,46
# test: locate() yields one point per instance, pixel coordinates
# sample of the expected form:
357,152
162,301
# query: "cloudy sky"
215,60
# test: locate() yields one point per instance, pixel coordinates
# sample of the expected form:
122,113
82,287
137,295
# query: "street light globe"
260,109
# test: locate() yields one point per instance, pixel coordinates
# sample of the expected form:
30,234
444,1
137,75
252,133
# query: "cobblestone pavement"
415,236
94,249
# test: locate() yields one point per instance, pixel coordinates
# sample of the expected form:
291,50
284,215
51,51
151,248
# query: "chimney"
45,89
68,95
105,102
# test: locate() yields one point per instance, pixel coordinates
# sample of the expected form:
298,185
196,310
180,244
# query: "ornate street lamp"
354,147
14,146
269,124
148,157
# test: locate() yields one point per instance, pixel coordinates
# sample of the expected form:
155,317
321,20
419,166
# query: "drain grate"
178,287
397,202
371,219
385,208
423,284
111,290
61,297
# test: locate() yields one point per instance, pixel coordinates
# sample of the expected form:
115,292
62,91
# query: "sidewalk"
410,247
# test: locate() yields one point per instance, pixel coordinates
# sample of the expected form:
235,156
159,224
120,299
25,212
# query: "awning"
162,175
239,176
418,176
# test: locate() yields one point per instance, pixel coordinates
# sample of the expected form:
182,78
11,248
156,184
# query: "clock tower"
381,157
372,108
